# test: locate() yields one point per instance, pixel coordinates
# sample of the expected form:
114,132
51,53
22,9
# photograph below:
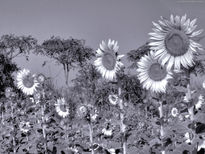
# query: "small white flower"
200,102
112,151
202,145
188,138
187,116
94,117
107,132
24,126
203,85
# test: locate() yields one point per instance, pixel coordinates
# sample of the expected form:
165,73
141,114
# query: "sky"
127,21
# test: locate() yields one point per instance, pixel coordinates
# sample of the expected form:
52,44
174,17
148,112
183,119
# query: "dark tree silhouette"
6,70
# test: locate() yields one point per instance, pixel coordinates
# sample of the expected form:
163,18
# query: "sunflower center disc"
113,98
109,60
157,72
28,81
63,107
177,43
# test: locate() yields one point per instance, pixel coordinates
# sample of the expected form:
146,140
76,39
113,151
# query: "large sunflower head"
108,61
62,108
26,82
173,41
152,74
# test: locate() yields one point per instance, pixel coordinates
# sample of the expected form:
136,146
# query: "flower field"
154,106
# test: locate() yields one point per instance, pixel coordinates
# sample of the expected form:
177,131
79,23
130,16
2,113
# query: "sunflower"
152,75
113,99
173,41
62,108
26,82
108,62
8,92
37,97
174,112
82,111
41,78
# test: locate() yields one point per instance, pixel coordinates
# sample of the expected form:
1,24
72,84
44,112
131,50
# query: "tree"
70,53
6,70
135,55
12,46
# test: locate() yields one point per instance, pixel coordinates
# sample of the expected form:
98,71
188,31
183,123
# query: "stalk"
27,139
161,126
191,111
91,137
13,138
43,128
122,125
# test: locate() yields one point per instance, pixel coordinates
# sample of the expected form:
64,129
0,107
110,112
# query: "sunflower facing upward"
108,61
173,41
26,82
152,75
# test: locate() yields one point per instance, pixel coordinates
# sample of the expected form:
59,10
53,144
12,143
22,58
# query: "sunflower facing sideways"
62,108
26,82
173,41
152,75
108,61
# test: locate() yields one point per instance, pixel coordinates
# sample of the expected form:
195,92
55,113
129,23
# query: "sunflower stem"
191,112
161,126
91,137
27,139
13,138
2,117
43,128
122,125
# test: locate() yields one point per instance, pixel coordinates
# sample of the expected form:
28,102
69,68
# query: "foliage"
68,52
6,76
84,131
12,46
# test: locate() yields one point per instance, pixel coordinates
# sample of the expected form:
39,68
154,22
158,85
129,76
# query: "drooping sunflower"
152,74
62,108
26,82
108,61
173,41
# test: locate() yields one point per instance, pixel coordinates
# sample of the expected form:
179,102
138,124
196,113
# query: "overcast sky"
127,21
